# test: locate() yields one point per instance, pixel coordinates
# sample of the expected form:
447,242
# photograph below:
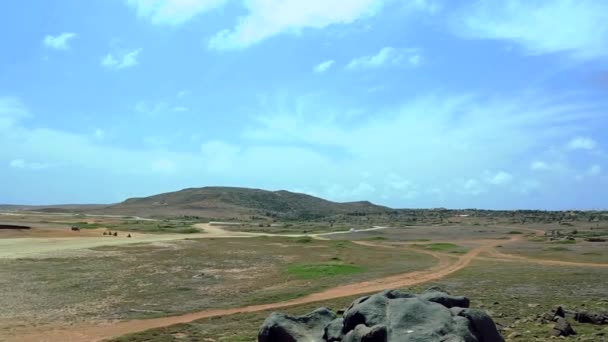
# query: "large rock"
389,316
562,328
286,328
438,295
591,317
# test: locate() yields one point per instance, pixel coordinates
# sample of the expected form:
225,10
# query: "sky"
406,103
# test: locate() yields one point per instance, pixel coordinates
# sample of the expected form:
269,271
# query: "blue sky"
411,103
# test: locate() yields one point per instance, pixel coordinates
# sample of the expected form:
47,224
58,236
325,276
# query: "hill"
232,202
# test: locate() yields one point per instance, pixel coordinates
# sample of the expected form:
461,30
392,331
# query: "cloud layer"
59,42
541,27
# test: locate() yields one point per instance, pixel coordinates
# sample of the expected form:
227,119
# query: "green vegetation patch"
557,248
315,271
515,232
85,225
564,242
444,247
304,239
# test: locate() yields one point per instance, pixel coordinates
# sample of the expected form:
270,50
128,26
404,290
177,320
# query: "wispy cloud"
11,110
59,42
117,61
581,143
173,12
594,170
99,133
499,178
22,164
308,144
157,108
576,28
467,133
387,56
323,66
269,18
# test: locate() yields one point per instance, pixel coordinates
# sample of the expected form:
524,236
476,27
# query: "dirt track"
445,266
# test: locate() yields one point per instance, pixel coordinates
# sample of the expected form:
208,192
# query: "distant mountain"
232,202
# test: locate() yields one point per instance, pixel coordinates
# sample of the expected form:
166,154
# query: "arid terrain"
192,278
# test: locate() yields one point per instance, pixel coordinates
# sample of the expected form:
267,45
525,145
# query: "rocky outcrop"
287,328
388,316
562,328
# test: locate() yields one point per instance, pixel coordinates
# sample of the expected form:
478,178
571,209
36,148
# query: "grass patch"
515,232
376,238
315,271
442,247
304,239
557,248
86,225
564,242
188,230
537,239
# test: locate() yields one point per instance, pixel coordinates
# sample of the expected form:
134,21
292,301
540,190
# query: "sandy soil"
38,242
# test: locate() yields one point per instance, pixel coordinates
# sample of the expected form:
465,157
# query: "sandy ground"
38,242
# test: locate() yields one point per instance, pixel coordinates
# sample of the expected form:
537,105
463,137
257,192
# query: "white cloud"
22,164
99,133
184,93
387,56
581,143
539,165
11,110
577,28
180,109
594,170
59,42
173,12
323,66
399,187
473,187
158,108
17,163
118,61
267,18
499,178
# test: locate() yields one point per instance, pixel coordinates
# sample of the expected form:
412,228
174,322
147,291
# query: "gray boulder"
362,333
333,331
279,327
437,295
562,328
389,316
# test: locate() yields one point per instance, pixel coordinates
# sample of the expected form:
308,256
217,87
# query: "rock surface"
562,328
388,316
287,328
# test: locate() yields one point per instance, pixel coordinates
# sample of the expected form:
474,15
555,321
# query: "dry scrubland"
194,271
